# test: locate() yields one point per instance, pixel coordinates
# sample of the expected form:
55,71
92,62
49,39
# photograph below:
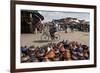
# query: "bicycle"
47,37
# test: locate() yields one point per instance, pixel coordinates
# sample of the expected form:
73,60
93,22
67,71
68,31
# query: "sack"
62,49
67,55
50,54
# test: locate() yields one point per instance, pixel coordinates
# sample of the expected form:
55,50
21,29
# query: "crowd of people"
61,51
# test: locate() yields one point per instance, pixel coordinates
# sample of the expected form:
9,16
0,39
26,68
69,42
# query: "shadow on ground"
41,41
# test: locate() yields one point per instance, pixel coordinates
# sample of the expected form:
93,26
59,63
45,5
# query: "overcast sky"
49,15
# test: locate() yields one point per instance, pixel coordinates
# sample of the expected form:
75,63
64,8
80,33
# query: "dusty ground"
34,39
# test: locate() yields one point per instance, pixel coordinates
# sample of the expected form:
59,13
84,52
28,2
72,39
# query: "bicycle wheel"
57,37
44,37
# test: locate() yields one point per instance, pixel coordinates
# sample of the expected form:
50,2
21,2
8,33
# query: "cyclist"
52,31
